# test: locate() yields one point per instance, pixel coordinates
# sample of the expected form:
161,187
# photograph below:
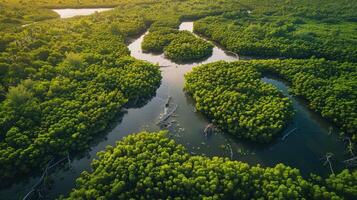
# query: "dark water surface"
312,139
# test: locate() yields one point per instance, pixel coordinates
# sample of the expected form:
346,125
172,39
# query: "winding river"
311,139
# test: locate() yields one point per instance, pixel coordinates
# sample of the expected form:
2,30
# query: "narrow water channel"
303,148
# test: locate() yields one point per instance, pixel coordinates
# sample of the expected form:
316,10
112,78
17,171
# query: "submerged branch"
230,148
350,146
327,158
286,135
351,162
34,188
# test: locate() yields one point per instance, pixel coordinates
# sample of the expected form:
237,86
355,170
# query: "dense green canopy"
63,81
298,29
176,45
234,97
21,15
151,166
330,87
62,84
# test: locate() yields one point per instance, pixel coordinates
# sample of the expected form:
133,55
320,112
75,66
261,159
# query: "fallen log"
168,115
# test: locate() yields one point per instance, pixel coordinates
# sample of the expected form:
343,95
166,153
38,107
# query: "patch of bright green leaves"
151,166
301,29
176,45
62,84
234,97
329,86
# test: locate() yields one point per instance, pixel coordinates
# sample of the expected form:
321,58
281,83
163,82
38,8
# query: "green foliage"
18,96
159,38
234,97
14,15
151,166
188,48
62,82
298,29
62,114
344,183
329,87
76,75
74,60
72,3
176,45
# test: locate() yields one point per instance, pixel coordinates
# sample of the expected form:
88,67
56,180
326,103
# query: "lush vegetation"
63,81
188,48
176,45
329,87
61,84
159,37
235,98
343,183
43,119
12,16
70,3
298,29
151,166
